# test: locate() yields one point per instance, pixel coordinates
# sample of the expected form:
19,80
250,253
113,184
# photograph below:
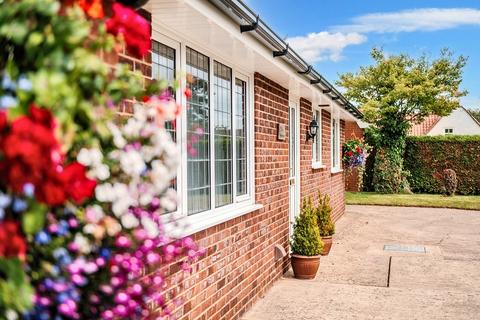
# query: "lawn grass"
414,200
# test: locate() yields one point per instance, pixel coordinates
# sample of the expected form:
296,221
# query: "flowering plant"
354,153
82,197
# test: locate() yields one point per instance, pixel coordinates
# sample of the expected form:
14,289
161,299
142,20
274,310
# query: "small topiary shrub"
306,239
324,216
449,182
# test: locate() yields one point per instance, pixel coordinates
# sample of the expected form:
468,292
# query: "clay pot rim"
294,255
327,237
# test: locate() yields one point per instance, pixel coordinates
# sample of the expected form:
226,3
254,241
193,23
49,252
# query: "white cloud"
324,45
429,19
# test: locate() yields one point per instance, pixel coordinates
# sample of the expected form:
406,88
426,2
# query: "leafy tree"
393,93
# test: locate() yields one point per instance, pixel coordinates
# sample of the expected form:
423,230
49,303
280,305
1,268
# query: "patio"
431,270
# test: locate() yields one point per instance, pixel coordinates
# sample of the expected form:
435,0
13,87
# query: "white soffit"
208,30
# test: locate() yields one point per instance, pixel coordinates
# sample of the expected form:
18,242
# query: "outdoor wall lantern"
312,130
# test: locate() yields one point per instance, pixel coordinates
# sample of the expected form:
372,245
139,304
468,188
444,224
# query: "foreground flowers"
82,197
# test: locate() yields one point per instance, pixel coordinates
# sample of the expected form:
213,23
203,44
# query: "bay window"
214,135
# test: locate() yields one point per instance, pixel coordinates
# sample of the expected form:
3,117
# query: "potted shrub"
326,227
306,243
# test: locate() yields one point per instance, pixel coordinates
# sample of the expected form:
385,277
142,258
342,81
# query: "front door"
293,165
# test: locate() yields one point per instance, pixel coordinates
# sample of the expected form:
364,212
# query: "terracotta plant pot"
327,245
305,267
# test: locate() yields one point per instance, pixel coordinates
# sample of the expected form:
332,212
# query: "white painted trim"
335,119
194,223
241,205
317,163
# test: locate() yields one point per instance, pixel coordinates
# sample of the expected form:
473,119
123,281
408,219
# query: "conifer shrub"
324,216
306,239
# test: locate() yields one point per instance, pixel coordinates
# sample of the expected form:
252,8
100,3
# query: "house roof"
421,129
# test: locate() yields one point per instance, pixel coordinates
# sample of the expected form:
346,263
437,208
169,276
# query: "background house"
459,122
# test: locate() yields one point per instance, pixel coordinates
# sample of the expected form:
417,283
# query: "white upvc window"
214,133
448,130
317,143
335,143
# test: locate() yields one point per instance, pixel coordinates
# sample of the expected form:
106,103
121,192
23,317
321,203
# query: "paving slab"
441,283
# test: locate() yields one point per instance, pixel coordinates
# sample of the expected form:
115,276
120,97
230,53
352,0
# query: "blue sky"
336,36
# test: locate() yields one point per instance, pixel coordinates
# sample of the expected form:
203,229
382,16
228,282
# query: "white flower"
129,221
104,192
132,128
118,139
82,243
102,172
169,201
132,163
145,198
160,175
148,153
11,315
90,157
150,227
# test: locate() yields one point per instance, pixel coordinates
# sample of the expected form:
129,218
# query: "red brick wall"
314,180
352,131
239,265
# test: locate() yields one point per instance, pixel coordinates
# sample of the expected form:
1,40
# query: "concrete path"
354,281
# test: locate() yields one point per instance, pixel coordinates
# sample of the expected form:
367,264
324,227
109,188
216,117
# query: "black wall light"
312,129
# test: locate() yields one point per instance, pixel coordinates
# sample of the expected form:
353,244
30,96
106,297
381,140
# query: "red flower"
188,93
349,153
133,27
359,150
3,120
77,185
12,243
93,8
31,154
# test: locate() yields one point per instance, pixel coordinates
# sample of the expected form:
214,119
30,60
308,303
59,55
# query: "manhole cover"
404,248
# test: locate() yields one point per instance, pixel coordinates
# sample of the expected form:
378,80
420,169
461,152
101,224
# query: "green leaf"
34,219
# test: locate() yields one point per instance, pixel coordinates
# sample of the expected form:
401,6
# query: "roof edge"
238,11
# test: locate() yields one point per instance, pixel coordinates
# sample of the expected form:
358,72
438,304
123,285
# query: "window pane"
222,86
198,132
241,135
163,68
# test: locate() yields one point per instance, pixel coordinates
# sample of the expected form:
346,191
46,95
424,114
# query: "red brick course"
315,180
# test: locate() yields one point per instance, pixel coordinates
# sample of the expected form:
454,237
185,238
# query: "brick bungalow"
246,159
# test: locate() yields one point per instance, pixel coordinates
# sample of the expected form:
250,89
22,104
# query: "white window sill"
336,170
189,225
318,165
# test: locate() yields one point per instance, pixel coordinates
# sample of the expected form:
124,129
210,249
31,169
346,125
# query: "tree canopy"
407,87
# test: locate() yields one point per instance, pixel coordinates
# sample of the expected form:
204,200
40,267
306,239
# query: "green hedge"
426,157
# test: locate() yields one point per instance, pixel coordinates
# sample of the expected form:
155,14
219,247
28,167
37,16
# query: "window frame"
316,162
335,144
445,131
240,204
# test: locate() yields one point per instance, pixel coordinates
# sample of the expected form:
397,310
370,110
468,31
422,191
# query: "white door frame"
293,179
